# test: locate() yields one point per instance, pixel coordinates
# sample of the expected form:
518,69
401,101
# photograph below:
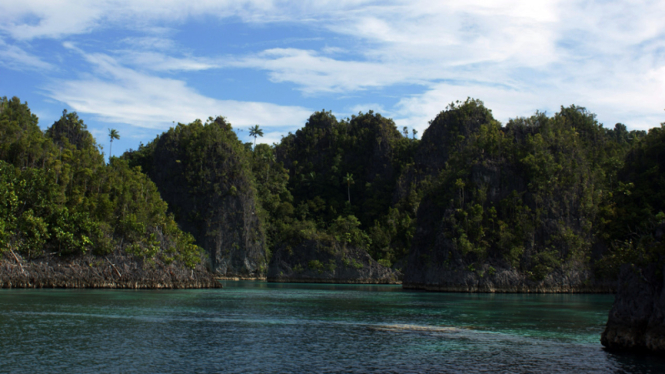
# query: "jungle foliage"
342,179
534,194
59,197
635,216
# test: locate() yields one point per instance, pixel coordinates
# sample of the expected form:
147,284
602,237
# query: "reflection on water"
267,327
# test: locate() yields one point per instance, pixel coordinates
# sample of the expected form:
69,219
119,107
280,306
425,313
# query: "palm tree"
113,134
269,158
255,131
349,181
415,132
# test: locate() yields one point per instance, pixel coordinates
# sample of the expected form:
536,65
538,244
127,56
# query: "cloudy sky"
139,66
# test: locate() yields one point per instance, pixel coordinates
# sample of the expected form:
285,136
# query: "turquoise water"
256,327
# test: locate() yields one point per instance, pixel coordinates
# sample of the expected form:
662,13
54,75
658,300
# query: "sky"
142,66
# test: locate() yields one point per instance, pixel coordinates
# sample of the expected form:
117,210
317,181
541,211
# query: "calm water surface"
256,327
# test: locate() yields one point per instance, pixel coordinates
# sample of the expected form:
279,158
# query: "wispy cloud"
16,58
518,56
158,61
119,94
31,19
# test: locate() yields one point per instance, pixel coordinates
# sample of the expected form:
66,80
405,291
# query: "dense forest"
58,197
543,197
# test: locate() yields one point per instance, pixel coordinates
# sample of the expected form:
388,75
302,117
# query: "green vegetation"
342,179
635,216
205,175
530,195
536,195
255,131
113,134
57,196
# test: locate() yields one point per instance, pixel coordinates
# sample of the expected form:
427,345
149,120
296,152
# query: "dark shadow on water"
636,362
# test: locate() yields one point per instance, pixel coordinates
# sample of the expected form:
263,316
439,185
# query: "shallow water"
256,327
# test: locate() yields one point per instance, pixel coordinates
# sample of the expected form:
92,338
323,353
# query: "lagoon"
259,327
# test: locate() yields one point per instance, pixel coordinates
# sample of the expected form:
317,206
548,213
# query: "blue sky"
139,66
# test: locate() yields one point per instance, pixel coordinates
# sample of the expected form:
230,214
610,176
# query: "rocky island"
541,204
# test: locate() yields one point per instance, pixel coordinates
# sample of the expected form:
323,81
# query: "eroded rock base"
113,271
637,319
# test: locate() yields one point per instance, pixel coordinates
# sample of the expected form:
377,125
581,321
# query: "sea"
260,327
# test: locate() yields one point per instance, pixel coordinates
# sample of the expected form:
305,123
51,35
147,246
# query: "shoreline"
109,272
515,290
332,281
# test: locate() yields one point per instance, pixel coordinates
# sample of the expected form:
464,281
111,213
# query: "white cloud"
315,73
122,95
418,110
515,55
377,108
31,19
16,58
150,43
157,61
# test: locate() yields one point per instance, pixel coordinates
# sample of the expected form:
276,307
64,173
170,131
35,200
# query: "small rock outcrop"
112,271
637,319
314,261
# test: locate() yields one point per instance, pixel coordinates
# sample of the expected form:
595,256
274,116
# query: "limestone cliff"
202,171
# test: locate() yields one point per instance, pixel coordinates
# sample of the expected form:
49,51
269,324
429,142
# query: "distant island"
540,204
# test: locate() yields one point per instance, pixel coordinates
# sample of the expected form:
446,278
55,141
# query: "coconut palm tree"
349,181
113,134
255,131
269,158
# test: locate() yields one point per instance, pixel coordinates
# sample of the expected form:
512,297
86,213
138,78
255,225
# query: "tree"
415,132
113,134
255,131
349,181
269,158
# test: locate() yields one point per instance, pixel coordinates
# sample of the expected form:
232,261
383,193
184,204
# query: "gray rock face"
113,271
213,198
637,318
315,261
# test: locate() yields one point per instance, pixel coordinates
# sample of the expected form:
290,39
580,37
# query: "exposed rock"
113,271
203,173
315,261
637,319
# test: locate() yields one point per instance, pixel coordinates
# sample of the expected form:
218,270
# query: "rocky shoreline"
333,281
513,289
113,271
505,280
